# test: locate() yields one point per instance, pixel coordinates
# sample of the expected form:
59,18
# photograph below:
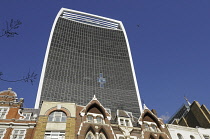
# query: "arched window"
102,136
179,136
57,116
192,137
90,136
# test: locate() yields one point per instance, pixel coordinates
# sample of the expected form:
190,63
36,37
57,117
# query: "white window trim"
11,136
5,113
53,132
150,124
95,117
124,123
60,121
24,117
151,128
3,132
101,134
91,134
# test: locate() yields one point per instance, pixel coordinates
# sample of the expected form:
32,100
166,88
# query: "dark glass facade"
79,55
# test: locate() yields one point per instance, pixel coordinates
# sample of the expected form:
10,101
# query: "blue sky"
170,47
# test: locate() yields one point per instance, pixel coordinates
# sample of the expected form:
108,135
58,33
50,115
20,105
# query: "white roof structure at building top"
90,19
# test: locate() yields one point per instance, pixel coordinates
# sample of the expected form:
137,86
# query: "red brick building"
15,121
65,120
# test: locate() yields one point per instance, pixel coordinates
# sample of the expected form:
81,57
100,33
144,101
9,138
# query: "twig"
30,77
8,32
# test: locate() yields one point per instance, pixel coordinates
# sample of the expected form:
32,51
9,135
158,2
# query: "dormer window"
57,116
146,127
154,128
27,116
121,122
127,123
95,118
90,118
99,120
124,121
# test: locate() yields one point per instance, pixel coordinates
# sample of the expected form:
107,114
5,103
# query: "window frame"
18,134
147,127
1,137
154,128
3,112
51,133
99,117
122,122
52,117
25,117
90,120
94,118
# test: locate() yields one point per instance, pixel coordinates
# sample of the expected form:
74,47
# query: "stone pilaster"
70,128
41,127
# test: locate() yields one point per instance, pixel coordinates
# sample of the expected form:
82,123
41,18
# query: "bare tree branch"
30,77
10,27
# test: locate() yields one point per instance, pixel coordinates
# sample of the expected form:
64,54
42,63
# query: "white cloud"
165,117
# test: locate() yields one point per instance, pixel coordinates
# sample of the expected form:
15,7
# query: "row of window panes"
63,35
57,116
79,28
90,118
124,122
90,135
152,128
18,134
54,135
3,112
95,52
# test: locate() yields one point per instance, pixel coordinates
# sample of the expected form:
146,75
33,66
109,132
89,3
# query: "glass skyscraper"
89,55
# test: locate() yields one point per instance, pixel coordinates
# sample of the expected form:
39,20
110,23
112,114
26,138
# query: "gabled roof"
95,103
